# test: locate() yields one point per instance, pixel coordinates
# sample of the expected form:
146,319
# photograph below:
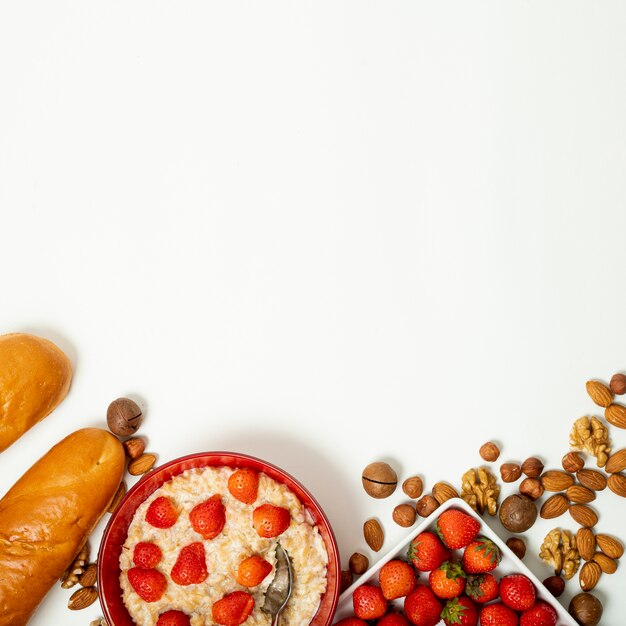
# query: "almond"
442,492
134,447
586,543
589,575
599,393
617,484
616,462
580,494
616,415
82,598
584,515
556,480
117,498
554,506
592,479
373,534
141,465
606,563
610,546
89,577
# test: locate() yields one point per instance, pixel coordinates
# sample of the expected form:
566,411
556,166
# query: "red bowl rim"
333,574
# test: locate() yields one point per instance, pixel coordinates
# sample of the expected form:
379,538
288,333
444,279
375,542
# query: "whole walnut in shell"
379,479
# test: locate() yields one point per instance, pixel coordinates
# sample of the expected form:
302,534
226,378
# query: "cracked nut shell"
124,417
518,513
379,480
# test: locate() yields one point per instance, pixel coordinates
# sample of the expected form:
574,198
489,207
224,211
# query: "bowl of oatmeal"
194,543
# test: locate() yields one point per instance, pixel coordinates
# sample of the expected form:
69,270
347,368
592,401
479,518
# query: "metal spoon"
279,590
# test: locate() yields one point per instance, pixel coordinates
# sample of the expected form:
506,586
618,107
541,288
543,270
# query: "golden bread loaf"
35,376
47,516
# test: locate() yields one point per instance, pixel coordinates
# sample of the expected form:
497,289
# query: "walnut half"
480,490
559,550
592,436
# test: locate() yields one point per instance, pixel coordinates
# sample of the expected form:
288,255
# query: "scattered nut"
124,417
610,546
134,447
510,472
606,563
555,585
379,479
532,467
489,452
71,574
141,465
559,550
584,515
413,487
404,515
373,533
580,495
426,505
89,577
586,609
616,415
589,576
517,547
586,543
532,488
617,484
599,393
572,462
592,436
554,506
618,384
555,480
99,622
592,479
518,513
346,580
616,462
442,492
82,598
358,563
117,498
480,490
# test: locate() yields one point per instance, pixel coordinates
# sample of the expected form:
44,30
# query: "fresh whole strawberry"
427,553
461,611
147,555
447,581
270,521
517,591
190,567
498,614
243,485
233,609
422,607
351,621
208,518
456,528
173,618
542,614
393,619
149,584
252,571
161,513
481,556
396,578
482,588
369,602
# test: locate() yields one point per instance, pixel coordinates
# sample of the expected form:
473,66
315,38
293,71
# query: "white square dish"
510,564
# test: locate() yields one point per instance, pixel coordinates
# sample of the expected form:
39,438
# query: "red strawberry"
147,555
396,578
252,571
243,485
447,581
190,567
456,528
351,621
482,588
498,614
161,513
542,614
481,556
173,618
270,521
517,591
208,518
461,611
369,602
422,607
149,584
393,619
426,552
233,609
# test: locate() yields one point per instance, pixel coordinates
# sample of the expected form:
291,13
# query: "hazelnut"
346,580
555,585
618,384
379,480
413,487
586,609
517,547
134,447
532,488
358,563
124,417
404,515
510,472
489,452
518,513
426,505
532,467
572,462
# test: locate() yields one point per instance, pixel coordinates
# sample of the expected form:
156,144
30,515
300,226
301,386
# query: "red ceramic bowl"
117,528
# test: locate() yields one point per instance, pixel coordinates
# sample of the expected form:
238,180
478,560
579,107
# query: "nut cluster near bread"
47,516
35,376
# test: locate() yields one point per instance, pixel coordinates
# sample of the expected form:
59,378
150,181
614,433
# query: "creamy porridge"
235,542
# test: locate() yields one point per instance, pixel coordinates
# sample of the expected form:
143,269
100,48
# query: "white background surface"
320,233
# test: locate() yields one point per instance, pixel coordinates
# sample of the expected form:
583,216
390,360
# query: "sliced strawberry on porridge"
208,518
270,521
161,513
252,571
233,609
149,584
190,567
147,555
173,618
243,485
